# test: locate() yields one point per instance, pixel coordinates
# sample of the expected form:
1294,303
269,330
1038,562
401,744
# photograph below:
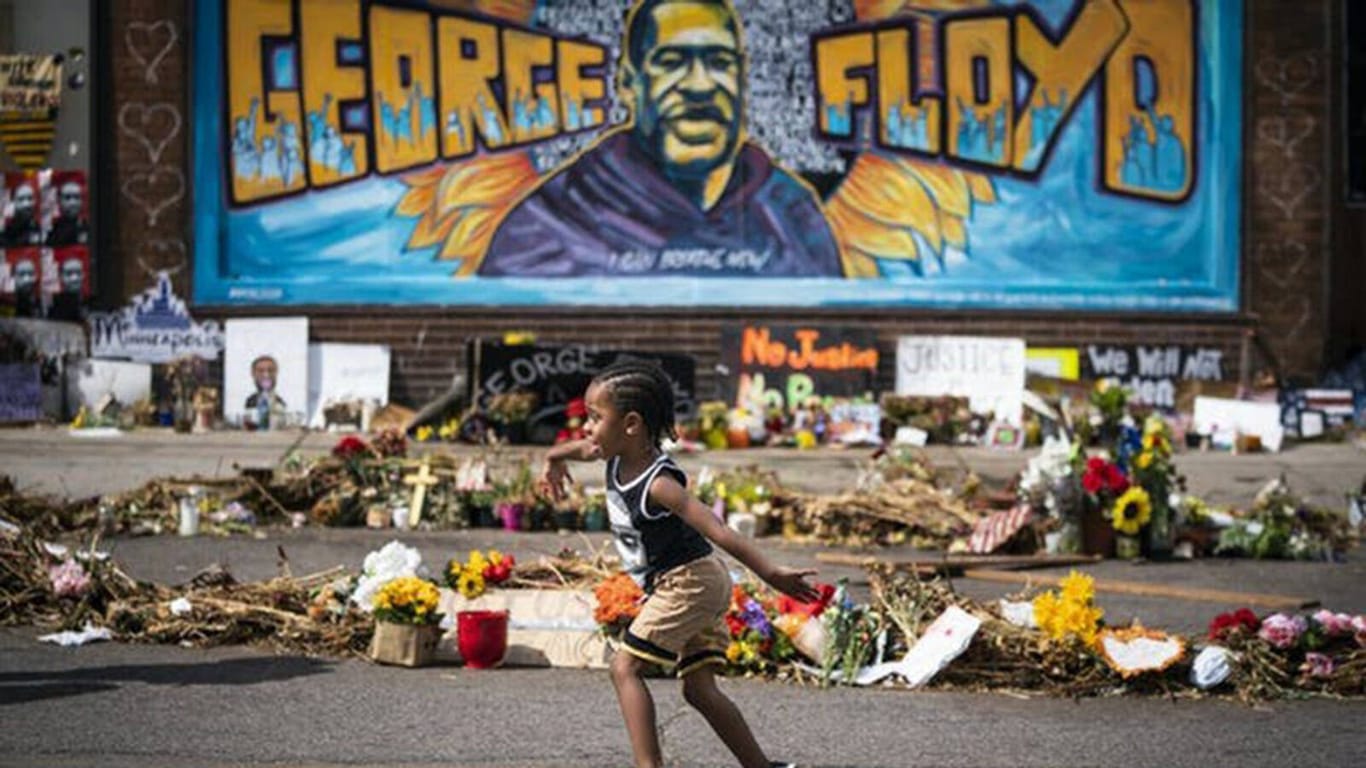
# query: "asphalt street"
134,705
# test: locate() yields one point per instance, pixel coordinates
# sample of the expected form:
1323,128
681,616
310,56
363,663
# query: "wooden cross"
420,482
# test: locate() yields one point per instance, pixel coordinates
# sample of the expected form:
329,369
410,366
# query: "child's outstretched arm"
555,477
667,492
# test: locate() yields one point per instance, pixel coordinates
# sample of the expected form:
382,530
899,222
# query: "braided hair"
643,387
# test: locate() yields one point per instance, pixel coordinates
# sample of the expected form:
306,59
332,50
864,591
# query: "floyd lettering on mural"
989,153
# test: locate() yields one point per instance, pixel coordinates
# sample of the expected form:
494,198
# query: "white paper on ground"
942,642
1021,614
72,638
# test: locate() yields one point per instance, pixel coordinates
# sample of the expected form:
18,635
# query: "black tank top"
649,537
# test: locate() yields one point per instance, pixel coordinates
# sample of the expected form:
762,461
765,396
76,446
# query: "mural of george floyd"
1001,155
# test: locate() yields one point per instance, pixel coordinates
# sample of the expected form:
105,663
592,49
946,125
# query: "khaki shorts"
681,623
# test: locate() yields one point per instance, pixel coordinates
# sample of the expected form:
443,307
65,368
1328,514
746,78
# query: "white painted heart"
147,33
149,182
141,122
1132,653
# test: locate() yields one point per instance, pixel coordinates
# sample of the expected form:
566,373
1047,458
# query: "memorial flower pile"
1283,653
407,600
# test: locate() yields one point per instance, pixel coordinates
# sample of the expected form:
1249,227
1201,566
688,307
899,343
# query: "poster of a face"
68,209
265,370
23,267
67,271
23,209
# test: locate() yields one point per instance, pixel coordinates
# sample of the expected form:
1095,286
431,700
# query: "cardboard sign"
21,393
781,366
1224,419
560,374
266,357
89,381
1152,373
30,82
989,371
154,328
342,372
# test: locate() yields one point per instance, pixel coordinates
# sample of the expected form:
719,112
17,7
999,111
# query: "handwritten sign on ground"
21,394
781,366
1153,373
988,370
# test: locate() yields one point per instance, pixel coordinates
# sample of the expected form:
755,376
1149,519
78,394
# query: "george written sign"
1151,373
21,392
559,374
781,366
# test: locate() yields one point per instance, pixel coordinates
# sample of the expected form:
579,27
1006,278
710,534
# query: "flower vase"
482,637
1097,533
511,513
595,519
1128,547
183,415
1160,535
566,520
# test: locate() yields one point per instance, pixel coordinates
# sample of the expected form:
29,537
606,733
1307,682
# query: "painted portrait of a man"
680,190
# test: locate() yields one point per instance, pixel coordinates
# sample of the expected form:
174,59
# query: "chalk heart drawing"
1287,189
1281,262
167,253
1295,306
1288,76
150,44
1286,132
154,191
153,127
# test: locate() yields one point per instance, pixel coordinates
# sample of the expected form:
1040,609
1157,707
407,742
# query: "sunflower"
470,584
1133,510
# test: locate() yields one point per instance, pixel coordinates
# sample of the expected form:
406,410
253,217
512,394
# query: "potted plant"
1103,482
407,623
595,512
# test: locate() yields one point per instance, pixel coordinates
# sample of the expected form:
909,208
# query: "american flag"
993,531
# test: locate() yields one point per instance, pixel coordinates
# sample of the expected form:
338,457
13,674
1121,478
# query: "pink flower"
1317,665
1282,631
69,579
1359,627
1333,624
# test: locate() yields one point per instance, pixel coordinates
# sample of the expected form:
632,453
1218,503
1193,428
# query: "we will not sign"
988,370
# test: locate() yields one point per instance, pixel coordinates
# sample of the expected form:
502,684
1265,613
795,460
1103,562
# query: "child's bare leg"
699,689
638,708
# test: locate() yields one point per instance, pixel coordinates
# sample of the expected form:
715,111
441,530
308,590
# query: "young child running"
662,534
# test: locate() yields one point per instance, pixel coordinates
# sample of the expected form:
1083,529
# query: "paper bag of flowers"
407,623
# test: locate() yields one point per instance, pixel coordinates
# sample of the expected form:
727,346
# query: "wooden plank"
956,563
1113,586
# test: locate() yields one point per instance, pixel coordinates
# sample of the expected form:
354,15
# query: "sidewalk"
51,460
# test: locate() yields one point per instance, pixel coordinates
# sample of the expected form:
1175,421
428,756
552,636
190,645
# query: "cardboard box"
546,627
404,645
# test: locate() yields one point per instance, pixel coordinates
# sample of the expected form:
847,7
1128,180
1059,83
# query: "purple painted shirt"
612,212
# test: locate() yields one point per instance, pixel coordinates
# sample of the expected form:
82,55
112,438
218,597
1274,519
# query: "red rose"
735,625
785,604
1225,624
1115,479
349,447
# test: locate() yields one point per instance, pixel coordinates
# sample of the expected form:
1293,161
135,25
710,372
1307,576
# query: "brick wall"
145,118
1287,212
1288,156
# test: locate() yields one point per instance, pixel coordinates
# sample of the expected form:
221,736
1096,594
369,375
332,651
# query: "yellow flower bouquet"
408,600
407,623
